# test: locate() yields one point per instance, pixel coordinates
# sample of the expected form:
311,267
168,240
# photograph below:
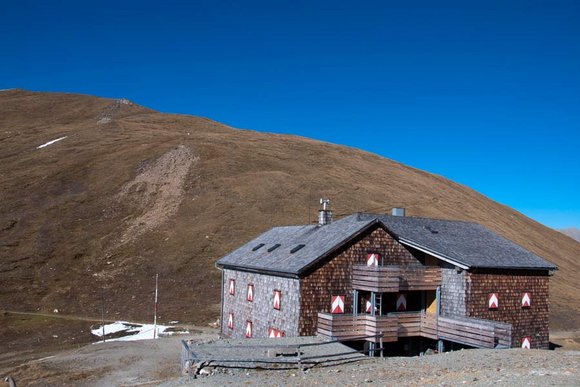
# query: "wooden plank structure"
394,278
464,330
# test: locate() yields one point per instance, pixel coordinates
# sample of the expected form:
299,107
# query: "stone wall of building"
452,291
260,311
334,277
530,322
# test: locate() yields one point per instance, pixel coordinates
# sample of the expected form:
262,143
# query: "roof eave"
256,270
437,255
538,268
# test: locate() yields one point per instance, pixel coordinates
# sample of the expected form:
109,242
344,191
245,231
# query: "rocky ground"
483,367
157,362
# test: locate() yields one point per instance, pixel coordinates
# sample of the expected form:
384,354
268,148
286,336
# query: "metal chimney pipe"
324,214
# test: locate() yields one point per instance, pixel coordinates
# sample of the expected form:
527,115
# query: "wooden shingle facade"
400,277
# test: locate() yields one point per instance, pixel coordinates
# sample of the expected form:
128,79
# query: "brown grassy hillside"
131,192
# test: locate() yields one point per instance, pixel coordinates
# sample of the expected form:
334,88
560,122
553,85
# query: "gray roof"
318,241
465,244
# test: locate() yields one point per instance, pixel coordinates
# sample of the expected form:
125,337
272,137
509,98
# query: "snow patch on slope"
51,142
133,331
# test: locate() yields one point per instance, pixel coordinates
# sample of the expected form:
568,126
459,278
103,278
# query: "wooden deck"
469,331
395,278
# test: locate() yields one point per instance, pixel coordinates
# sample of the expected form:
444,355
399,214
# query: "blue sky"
486,93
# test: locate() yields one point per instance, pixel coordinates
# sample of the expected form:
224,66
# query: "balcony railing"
386,279
465,330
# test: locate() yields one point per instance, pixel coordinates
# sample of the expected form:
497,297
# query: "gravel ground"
157,362
512,367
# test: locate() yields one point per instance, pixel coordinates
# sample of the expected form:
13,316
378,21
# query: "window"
527,342
274,247
257,247
337,304
274,333
492,301
250,294
297,248
231,321
526,300
373,259
248,329
232,287
277,299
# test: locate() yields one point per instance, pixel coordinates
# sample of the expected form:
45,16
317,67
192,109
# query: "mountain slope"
130,192
572,232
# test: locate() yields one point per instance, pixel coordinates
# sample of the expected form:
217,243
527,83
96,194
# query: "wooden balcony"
349,327
387,279
464,330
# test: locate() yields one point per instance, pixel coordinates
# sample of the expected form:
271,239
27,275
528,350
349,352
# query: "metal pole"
155,308
103,314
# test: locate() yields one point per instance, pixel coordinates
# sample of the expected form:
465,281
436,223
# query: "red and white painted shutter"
232,289
369,307
274,333
526,300
248,329
250,295
231,321
337,306
277,299
373,260
492,301
527,342
401,302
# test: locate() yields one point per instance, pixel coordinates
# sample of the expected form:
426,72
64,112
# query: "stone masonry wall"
452,291
261,310
334,277
533,321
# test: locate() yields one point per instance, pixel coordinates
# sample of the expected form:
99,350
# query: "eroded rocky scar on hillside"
154,195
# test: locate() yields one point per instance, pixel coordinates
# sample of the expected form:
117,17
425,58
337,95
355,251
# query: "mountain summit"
99,195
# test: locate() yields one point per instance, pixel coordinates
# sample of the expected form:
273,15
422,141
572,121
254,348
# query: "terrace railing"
391,278
464,330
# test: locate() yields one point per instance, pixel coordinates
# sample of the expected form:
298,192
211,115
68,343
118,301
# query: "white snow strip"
51,142
111,328
6,89
133,331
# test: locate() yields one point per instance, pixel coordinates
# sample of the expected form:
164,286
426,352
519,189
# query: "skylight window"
258,247
295,249
274,247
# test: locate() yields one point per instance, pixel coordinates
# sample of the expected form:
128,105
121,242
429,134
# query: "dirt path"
55,315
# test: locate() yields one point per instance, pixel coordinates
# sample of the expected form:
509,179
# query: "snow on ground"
51,142
133,331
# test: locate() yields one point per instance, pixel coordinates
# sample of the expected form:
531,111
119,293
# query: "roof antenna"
324,214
